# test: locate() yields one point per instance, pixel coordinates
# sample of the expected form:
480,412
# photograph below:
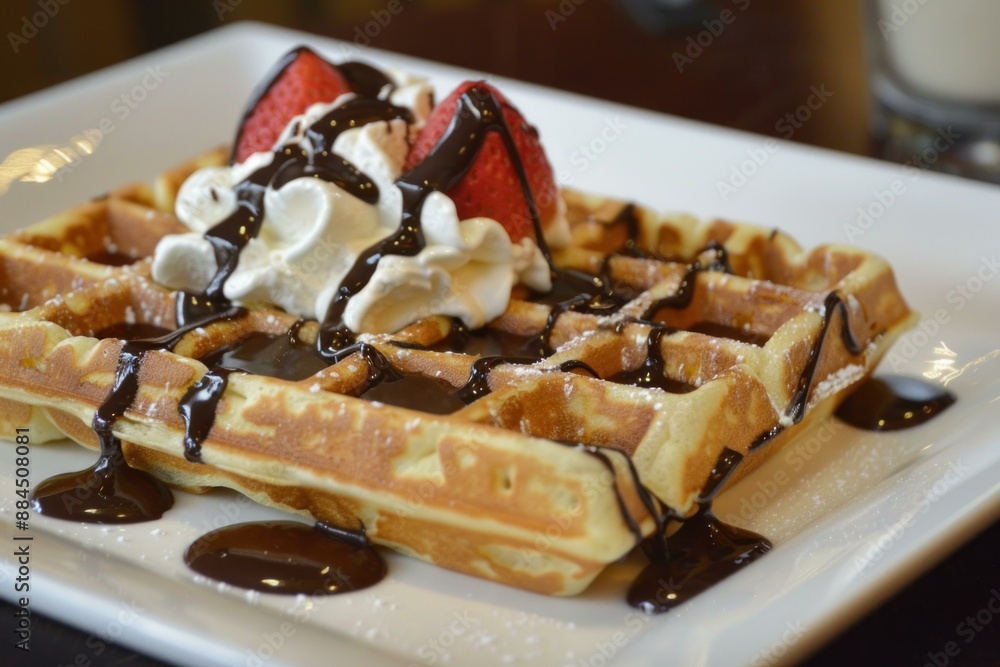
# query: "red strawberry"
491,187
298,80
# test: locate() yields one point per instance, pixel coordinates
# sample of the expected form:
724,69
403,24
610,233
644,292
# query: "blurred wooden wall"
762,66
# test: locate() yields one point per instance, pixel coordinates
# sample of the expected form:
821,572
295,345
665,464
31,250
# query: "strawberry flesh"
299,80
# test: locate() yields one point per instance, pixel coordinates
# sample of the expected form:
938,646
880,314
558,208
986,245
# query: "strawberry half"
298,80
491,187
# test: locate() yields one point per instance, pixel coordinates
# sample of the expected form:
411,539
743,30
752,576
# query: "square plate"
853,515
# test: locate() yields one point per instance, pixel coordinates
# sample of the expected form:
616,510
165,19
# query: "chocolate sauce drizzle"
831,304
365,80
230,236
478,384
603,455
629,216
477,114
110,491
684,294
198,407
380,369
288,163
796,408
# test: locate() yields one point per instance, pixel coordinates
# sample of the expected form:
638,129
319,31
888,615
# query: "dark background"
760,68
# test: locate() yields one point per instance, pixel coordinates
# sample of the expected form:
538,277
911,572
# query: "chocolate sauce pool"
287,557
416,392
110,491
702,552
893,402
651,372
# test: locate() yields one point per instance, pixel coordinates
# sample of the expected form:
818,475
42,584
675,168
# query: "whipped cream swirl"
313,232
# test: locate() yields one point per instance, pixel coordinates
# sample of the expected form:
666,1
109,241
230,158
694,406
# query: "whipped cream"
314,231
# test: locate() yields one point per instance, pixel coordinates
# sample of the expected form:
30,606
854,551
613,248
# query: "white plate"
853,515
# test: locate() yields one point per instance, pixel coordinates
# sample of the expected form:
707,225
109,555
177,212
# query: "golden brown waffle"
493,489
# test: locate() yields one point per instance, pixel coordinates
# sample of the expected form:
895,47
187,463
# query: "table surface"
761,66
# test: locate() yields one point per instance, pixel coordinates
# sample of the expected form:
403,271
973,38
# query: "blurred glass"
668,17
935,79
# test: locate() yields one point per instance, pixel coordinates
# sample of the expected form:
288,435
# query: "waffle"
540,480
